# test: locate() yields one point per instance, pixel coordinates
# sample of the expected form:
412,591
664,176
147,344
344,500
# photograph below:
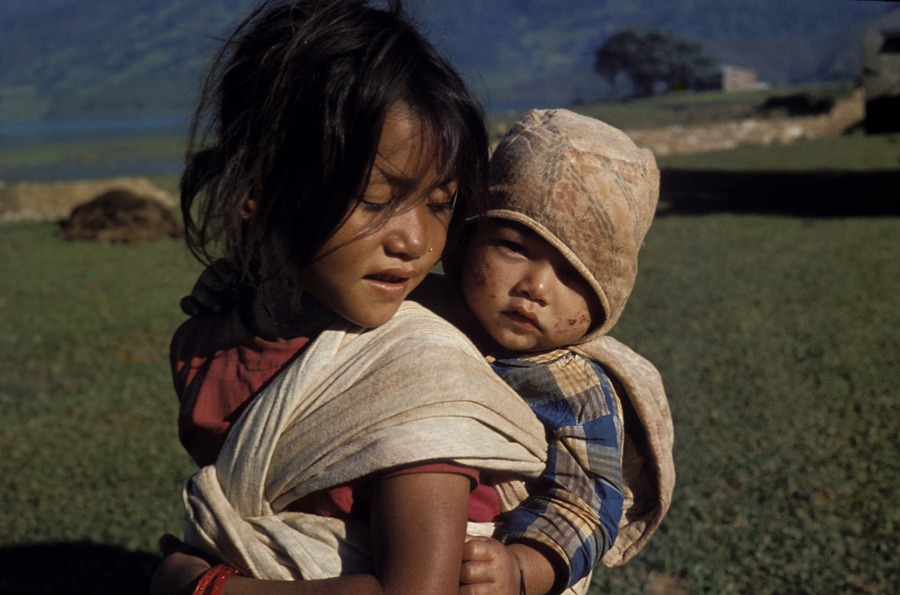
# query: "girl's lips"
388,278
391,284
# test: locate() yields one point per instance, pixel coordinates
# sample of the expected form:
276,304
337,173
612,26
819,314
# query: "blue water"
71,162
34,129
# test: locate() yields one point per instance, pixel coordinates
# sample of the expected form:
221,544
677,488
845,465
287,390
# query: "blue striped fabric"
574,508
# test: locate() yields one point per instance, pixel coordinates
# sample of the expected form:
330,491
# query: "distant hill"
101,57
96,57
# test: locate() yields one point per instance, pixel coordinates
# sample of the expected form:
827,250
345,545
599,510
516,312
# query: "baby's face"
523,292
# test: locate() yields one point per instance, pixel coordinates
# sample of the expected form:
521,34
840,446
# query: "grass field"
776,335
778,341
777,338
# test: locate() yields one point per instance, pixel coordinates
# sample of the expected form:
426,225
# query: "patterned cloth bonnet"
587,189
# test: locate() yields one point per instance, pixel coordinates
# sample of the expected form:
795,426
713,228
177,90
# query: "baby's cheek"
582,322
479,275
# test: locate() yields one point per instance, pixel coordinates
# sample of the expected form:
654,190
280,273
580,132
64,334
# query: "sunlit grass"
87,411
853,152
777,340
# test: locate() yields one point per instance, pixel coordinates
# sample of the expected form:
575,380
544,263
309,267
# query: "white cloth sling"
356,402
648,468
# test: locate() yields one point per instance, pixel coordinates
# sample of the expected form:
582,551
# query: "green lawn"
87,411
777,338
850,153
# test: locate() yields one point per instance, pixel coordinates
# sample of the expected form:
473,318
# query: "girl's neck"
284,321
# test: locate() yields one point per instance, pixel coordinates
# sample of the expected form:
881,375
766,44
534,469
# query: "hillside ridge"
98,57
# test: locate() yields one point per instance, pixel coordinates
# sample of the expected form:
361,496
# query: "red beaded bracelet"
213,580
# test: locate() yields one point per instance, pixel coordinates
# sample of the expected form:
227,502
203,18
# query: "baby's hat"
586,188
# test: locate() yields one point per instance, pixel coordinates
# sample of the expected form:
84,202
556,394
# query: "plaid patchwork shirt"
574,509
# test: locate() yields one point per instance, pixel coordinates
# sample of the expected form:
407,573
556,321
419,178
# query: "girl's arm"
419,528
419,525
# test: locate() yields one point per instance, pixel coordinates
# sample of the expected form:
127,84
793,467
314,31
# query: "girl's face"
369,265
523,292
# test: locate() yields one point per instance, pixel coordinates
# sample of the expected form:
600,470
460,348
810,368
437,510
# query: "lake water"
84,148
61,127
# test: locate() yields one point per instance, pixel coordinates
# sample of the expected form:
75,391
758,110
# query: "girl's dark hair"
290,119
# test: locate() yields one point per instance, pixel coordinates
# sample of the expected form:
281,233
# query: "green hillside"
103,57
109,57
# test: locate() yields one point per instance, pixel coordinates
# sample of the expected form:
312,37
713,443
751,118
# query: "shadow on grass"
802,194
75,568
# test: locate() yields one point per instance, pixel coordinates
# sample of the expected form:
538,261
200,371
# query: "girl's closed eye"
443,202
442,207
379,193
444,195
374,203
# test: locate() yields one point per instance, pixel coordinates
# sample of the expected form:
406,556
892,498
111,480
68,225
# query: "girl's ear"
248,208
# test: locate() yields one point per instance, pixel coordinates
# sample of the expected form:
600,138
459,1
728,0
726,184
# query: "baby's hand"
489,568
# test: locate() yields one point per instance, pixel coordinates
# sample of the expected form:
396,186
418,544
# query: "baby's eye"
569,276
510,245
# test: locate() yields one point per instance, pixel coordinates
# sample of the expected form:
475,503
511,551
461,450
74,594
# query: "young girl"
338,143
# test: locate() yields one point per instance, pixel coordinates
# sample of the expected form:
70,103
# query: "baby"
545,275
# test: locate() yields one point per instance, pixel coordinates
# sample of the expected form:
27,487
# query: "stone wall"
53,201
679,140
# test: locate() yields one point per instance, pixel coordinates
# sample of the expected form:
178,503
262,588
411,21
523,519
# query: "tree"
652,57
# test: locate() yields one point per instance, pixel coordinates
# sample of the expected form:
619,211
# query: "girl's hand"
489,568
180,570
